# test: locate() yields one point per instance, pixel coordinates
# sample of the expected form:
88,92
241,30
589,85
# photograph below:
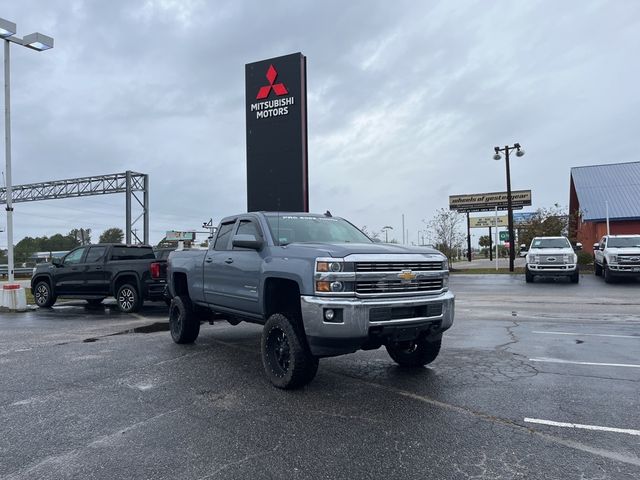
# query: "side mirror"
56,262
578,246
523,248
596,246
244,240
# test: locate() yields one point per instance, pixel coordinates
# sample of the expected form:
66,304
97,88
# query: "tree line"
25,248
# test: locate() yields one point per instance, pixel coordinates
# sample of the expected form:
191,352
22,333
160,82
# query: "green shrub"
585,258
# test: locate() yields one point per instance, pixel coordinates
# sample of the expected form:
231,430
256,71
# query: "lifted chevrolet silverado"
319,286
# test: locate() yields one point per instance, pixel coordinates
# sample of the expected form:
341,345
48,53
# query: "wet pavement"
534,381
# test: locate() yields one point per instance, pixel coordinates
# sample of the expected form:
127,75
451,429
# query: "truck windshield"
292,228
550,243
621,242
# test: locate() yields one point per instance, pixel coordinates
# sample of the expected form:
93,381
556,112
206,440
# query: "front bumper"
552,270
356,329
622,269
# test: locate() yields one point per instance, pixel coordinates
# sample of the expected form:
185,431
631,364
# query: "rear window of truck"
132,253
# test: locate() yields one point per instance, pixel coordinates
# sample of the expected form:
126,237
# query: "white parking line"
584,427
588,334
557,360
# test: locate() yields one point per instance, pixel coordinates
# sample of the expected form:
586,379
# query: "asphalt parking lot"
536,381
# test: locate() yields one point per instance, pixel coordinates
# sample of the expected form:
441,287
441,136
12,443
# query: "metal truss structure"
134,185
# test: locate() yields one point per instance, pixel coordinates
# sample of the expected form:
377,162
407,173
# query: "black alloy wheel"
279,351
183,324
286,357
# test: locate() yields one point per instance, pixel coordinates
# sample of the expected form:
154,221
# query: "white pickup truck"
617,256
551,257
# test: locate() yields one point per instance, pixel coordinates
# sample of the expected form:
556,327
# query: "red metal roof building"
596,188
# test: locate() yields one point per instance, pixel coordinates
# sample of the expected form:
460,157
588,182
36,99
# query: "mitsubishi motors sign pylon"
276,123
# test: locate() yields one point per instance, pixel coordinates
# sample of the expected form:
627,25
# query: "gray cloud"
406,101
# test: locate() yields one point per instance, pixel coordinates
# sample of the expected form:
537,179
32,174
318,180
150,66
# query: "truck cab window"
222,239
74,257
247,227
96,254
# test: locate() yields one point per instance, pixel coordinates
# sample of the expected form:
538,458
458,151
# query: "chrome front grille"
397,266
398,286
553,259
629,259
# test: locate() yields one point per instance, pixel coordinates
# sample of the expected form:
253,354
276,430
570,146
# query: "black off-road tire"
128,298
183,323
287,360
43,295
94,302
417,353
528,276
575,278
597,270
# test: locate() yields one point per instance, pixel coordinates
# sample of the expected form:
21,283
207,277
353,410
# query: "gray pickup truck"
319,286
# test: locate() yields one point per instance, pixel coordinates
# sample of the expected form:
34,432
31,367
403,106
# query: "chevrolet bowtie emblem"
406,276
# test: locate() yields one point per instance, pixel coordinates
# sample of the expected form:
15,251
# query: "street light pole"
519,153
7,154
34,41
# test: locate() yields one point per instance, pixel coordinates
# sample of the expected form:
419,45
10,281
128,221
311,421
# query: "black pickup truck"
130,273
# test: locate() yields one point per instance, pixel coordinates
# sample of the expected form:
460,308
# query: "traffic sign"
504,236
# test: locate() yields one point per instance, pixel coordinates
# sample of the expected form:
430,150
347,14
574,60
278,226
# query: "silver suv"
551,257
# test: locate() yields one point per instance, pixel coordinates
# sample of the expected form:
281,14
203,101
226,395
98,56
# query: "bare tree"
445,230
546,222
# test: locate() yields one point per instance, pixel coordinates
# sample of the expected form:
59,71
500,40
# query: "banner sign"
483,202
180,236
486,222
522,218
276,117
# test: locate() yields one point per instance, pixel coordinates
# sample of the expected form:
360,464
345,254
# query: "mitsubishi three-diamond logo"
278,88
274,107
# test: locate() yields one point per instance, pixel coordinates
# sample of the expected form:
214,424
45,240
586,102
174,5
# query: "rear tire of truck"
287,360
528,276
417,353
128,298
183,324
43,295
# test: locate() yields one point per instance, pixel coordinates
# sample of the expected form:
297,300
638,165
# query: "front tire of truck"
597,269
287,360
416,353
183,324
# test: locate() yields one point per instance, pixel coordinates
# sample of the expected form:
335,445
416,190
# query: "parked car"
617,256
551,257
130,273
319,286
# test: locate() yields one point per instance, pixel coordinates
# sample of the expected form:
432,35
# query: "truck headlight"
532,259
445,283
565,258
445,264
613,259
575,258
329,266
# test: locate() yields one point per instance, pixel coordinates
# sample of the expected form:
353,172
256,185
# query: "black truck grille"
398,286
386,314
397,266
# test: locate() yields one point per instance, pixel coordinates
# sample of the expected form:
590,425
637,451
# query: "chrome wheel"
42,294
126,298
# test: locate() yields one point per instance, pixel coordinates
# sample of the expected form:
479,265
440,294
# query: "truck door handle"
229,260
98,268
209,260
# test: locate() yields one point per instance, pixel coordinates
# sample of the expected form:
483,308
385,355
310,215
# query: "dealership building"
600,190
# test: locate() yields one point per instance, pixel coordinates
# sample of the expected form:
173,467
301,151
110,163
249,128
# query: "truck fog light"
329,314
337,286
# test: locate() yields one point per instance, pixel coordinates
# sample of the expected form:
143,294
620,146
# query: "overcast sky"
406,102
